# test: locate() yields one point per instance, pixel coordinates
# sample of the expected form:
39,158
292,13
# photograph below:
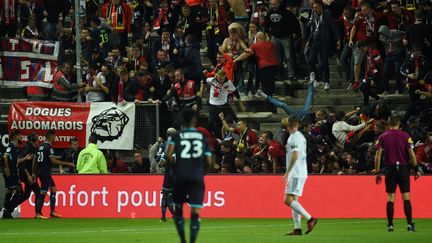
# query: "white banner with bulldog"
113,125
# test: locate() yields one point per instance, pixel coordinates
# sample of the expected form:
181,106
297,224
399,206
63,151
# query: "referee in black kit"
397,146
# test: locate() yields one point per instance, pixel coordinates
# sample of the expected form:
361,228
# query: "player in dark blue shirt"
45,160
27,172
13,188
167,186
192,155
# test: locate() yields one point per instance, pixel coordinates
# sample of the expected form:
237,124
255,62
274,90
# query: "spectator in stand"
394,52
71,155
259,16
322,34
419,33
161,82
116,60
142,88
248,138
31,31
398,18
346,21
366,23
216,29
29,8
118,15
415,70
220,88
266,167
116,165
52,11
251,63
228,153
188,22
94,81
225,62
184,91
161,57
239,163
267,63
276,152
374,69
91,160
137,61
101,36
341,128
166,43
64,87
140,165
190,60
424,153
110,88
283,27
234,47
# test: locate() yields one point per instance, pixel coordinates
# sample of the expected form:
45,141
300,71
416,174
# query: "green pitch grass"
212,230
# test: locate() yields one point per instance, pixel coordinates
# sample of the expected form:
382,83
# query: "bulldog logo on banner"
109,125
113,125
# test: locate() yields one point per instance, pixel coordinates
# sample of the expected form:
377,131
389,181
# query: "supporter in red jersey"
365,29
424,153
374,72
248,138
276,151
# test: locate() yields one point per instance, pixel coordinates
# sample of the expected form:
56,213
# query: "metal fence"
146,125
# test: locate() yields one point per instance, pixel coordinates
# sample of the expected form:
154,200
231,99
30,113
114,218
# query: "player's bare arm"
59,162
413,161
378,155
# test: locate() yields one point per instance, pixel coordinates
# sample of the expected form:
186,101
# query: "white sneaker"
326,86
261,94
317,84
311,78
349,87
250,94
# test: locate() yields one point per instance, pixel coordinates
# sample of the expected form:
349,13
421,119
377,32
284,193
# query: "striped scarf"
115,16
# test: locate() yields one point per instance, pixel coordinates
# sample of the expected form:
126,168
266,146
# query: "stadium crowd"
146,51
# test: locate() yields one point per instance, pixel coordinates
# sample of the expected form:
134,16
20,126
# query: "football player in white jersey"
296,175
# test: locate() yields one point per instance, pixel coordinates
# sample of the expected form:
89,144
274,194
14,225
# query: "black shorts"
395,177
191,192
11,182
46,183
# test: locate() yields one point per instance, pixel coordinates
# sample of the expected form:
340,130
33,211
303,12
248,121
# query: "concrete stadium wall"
230,196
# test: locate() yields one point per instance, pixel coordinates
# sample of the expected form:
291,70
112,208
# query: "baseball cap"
160,65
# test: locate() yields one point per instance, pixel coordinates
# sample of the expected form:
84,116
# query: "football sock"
171,207
7,200
296,206
390,212
53,201
39,203
194,227
408,211
297,219
164,206
179,223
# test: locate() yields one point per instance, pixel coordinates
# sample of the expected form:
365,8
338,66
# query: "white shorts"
295,186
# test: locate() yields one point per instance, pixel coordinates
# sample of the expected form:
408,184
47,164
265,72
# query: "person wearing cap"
161,81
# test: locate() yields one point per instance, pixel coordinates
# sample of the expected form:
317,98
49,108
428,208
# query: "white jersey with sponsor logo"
297,142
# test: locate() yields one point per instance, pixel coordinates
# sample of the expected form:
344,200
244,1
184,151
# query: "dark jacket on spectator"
190,61
282,23
161,87
112,81
143,168
130,89
54,8
157,45
326,32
